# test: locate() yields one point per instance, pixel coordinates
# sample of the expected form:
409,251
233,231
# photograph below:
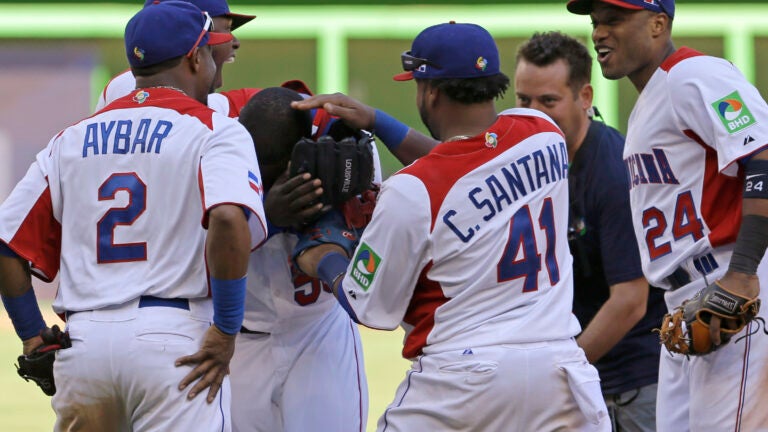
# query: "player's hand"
741,284
354,113
294,201
211,363
29,345
310,258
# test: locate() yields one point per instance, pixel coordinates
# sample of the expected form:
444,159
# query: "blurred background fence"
55,57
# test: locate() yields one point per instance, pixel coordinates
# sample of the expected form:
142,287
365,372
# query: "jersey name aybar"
512,182
653,168
121,137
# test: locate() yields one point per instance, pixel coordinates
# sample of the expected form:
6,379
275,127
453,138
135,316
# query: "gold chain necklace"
165,87
457,138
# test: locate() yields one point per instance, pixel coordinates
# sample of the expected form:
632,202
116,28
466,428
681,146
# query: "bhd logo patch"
733,112
366,264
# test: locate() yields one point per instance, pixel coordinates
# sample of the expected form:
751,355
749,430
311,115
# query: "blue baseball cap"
451,50
167,30
215,8
584,7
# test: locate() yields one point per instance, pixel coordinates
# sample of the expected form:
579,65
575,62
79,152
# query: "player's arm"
405,143
19,298
227,250
752,241
625,307
328,262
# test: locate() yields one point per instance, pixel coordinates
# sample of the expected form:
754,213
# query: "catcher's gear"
38,365
686,329
330,228
345,167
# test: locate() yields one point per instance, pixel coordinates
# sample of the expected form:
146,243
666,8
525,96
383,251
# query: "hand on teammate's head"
354,113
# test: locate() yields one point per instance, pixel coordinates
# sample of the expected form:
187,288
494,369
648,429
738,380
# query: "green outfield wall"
355,48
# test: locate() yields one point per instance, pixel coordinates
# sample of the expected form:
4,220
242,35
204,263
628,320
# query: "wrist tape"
25,315
390,130
750,244
228,304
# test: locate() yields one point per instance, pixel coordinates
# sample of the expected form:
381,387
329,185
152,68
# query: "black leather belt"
152,301
704,264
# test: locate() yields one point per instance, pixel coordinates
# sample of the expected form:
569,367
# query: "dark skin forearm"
227,250
361,116
15,277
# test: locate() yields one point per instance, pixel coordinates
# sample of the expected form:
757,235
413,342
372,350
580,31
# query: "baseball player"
477,270
612,300
696,162
224,21
298,363
141,280
292,322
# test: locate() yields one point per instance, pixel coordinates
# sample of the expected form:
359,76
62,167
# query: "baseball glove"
330,228
358,210
38,365
686,329
344,166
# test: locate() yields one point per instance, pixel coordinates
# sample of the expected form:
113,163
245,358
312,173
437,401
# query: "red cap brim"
405,76
219,38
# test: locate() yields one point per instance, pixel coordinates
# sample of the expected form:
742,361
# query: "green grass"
23,407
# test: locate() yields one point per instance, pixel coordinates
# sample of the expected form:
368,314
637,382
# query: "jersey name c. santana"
468,245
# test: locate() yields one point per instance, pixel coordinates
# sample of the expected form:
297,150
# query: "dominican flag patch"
253,181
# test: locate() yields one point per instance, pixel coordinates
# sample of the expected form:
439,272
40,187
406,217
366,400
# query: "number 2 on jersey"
522,239
685,222
106,249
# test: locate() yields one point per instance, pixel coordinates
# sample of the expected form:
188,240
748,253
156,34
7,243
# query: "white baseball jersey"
694,119
119,86
98,202
480,257
268,296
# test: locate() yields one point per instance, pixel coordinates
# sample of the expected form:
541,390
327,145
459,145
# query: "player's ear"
432,94
194,59
660,24
586,94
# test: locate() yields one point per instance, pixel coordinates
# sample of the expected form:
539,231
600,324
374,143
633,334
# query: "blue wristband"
228,304
25,314
331,266
390,130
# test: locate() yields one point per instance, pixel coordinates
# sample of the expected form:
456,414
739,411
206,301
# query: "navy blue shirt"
605,253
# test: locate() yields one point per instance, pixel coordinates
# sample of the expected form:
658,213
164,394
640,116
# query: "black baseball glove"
38,365
344,166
